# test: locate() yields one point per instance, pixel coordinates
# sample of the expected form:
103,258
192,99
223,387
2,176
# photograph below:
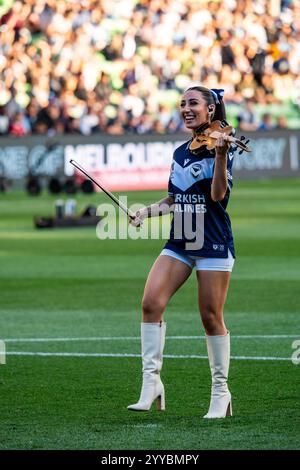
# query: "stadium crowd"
118,66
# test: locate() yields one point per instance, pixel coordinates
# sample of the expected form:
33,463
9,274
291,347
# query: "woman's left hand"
222,146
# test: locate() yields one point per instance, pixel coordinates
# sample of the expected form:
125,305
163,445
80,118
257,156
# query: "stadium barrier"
133,162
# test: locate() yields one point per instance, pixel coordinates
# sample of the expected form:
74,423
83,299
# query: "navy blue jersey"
194,212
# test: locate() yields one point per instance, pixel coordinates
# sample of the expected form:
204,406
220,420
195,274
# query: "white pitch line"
92,338
136,338
122,355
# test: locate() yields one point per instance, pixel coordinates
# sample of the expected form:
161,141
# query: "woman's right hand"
137,219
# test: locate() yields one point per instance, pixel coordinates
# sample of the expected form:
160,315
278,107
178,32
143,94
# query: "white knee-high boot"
218,348
153,341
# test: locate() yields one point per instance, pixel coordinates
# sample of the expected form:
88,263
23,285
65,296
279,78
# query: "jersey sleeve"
170,184
230,165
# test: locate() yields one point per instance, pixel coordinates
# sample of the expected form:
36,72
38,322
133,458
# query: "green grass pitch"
69,285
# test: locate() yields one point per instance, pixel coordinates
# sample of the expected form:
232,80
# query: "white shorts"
203,264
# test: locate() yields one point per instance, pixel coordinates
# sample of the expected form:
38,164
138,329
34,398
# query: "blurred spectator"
89,121
227,53
41,128
4,122
248,119
120,66
19,125
266,123
281,123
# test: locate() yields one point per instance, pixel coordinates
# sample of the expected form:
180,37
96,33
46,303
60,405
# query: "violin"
207,135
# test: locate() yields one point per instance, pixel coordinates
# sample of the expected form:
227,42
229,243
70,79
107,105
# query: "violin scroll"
244,143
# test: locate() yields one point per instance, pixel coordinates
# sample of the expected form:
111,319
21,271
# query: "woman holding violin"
201,238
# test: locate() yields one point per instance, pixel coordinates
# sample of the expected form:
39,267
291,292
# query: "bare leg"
212,290
165,278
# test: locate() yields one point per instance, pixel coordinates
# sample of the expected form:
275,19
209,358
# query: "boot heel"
229,409
160,402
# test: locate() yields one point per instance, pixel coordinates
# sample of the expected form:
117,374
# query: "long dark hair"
220,112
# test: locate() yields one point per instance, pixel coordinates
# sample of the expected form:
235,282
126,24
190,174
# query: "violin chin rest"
194,145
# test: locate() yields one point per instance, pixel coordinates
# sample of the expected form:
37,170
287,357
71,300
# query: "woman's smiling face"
193,109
